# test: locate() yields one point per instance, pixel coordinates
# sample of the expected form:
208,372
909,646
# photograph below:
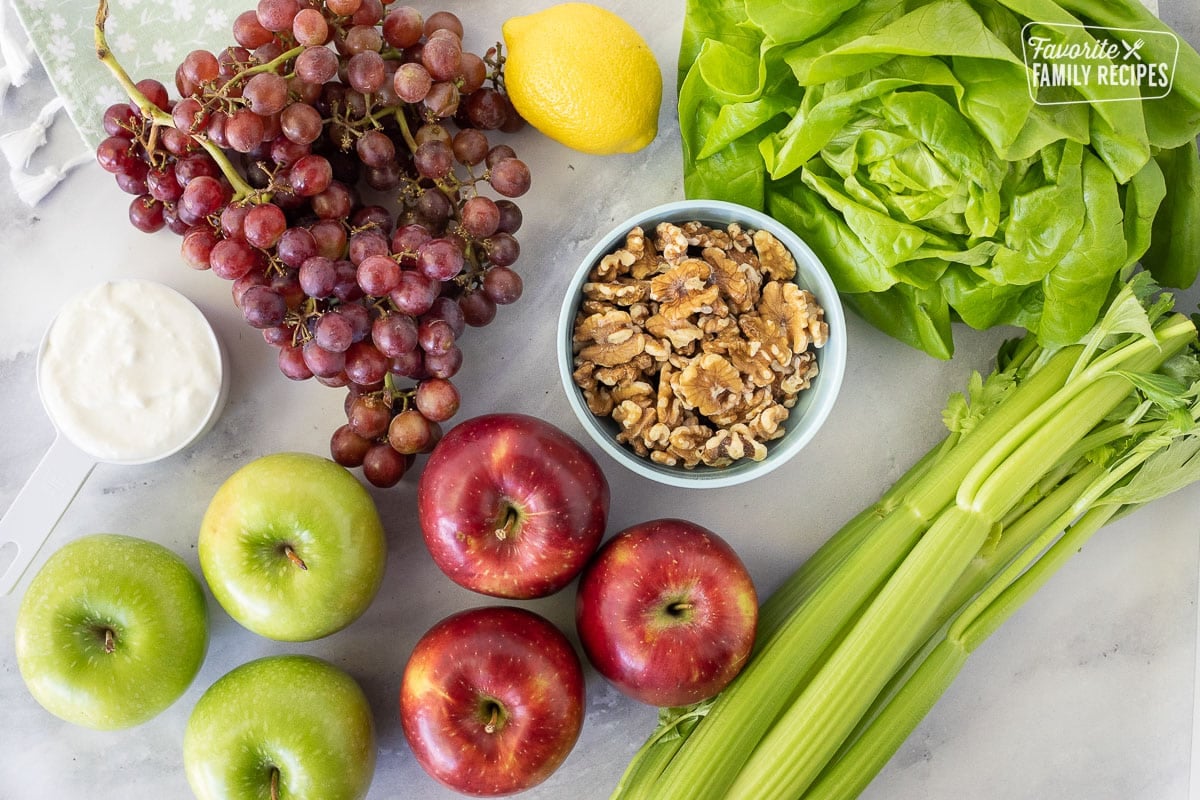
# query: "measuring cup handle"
39,505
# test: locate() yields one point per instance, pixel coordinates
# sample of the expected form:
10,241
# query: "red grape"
440,259
264,224
232,258
249,32
146,214
317,277
502,285
510,177
414,294
348,448
410,432
291,363
310,28
365,365
277,15
437,399
383,466
394,334
480,216
333,332
403,26
478,309
267,93
323,363
369,417
443,20
311,175
197,246
317,65
263,307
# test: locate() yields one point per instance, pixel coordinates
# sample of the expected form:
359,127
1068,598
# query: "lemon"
584,77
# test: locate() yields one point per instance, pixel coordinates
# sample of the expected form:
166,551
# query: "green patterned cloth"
149,37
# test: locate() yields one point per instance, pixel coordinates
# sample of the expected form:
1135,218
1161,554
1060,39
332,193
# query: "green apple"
111,631
280,727
292,547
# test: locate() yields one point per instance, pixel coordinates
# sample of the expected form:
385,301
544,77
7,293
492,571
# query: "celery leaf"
1162,390
1168,470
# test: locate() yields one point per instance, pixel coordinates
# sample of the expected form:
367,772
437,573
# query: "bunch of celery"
855,648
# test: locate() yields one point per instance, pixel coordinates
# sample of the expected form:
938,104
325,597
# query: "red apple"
492,700
667,612
511,506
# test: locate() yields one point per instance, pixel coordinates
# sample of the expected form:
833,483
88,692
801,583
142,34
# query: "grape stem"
495,59
393,393
157,116
266,66
402,121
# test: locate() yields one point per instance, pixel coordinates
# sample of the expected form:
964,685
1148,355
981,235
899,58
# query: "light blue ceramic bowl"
815,403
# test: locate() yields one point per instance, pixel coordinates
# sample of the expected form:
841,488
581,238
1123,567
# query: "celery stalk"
925,492
1058,418
1017,536
845,778
1045,539
656,753
797,748
833,554
1014,538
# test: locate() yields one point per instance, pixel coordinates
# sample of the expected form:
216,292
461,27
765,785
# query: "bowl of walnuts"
701,343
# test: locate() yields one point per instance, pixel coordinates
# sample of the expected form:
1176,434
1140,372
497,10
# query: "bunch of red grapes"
332,166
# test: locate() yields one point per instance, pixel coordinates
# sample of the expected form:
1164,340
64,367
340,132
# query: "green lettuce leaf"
901,140
1076,288
1173,254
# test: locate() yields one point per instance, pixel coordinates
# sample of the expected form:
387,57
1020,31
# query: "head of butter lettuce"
902,142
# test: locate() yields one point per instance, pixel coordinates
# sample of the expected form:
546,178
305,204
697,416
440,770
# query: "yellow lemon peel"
584,77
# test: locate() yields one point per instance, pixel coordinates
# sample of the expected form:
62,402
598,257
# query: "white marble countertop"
1087,694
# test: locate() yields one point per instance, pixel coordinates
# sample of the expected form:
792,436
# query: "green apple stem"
293,557
110,643
274,783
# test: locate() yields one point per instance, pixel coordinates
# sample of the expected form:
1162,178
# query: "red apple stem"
511,518
293,557
675,609
110,642
494,721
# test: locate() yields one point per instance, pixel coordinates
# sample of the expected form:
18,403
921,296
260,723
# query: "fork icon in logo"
1131,49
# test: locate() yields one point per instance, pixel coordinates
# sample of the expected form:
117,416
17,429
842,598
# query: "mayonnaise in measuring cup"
130,371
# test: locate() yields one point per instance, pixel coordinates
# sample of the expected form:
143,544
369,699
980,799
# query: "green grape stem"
158,117
393,394
266,66
405,131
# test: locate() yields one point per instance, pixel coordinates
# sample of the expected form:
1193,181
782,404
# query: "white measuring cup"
125,312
